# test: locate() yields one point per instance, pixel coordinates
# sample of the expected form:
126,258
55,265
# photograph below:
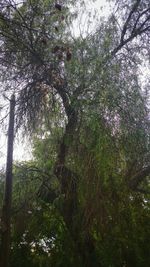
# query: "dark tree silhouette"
6,211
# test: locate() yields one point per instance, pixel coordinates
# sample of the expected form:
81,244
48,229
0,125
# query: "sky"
93,11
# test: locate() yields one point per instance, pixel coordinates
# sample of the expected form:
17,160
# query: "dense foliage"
84,198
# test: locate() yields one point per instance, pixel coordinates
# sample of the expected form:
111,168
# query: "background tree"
7,202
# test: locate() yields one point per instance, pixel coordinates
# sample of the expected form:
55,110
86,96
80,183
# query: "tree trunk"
6,211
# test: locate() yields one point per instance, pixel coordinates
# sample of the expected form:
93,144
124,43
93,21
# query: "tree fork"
6,211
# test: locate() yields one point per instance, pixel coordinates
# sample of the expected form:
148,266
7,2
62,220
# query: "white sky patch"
22,147
89,16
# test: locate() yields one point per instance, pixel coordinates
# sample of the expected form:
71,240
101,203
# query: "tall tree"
91,79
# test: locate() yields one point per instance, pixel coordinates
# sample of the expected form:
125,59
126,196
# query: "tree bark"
6,211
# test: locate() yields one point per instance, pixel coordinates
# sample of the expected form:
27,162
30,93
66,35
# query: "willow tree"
91,78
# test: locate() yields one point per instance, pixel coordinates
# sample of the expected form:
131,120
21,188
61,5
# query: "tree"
6,211
97,92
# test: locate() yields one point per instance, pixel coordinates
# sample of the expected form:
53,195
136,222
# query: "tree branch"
135,6
136,31
138,178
